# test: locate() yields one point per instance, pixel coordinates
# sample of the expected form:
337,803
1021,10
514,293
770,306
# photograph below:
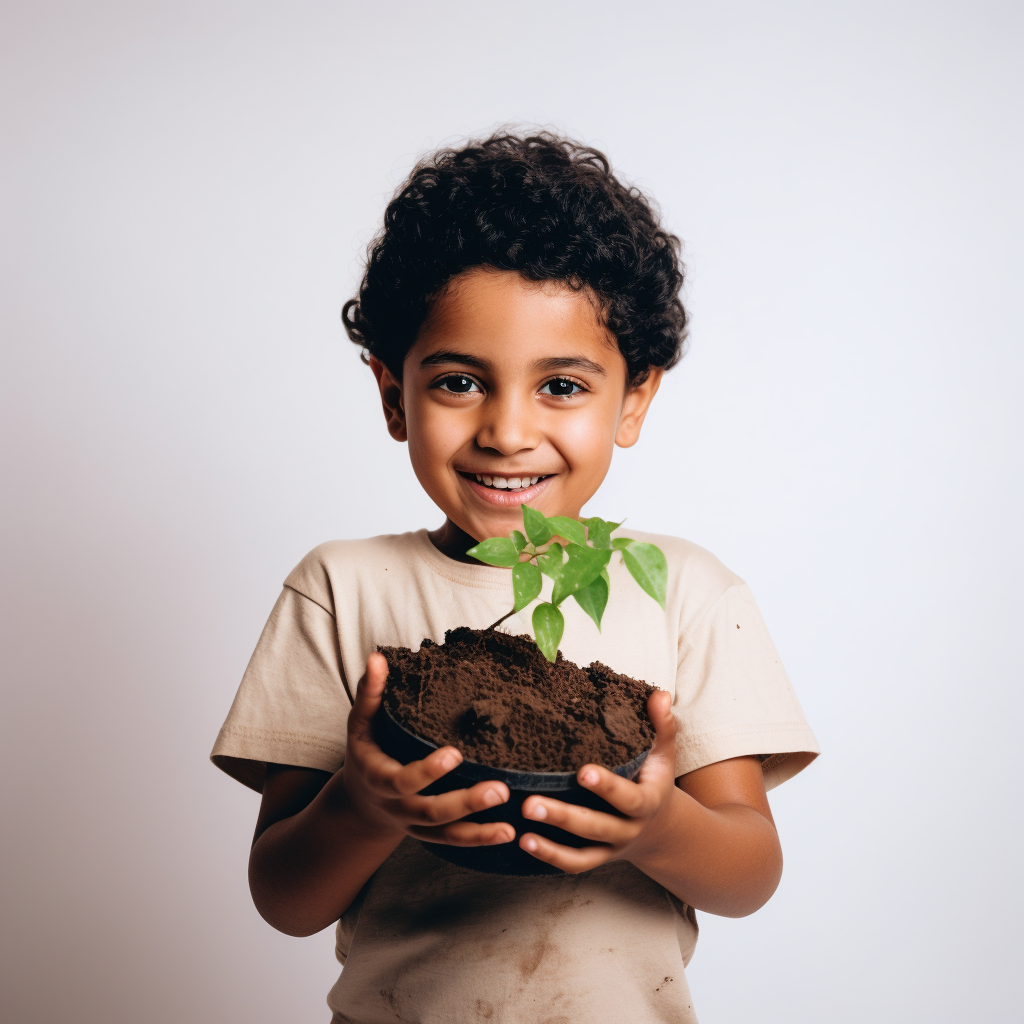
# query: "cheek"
587,440
436,434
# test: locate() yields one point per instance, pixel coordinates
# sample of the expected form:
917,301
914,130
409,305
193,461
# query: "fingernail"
493,797
589,778
529,844
449,761
538,811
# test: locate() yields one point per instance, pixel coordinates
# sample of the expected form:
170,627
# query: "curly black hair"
542,205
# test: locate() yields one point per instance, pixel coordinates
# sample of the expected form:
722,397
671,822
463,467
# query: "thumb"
663,755
370,689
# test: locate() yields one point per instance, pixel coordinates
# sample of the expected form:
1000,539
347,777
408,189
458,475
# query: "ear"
634,408
391,399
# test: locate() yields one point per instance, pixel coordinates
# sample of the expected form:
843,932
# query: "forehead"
504,318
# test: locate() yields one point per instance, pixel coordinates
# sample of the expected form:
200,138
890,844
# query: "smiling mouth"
504,483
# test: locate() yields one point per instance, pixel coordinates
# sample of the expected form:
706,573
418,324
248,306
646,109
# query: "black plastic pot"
507,858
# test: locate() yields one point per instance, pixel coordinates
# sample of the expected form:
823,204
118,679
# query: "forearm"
725,860
305,870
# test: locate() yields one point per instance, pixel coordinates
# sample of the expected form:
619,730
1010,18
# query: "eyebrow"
571,363
440,358
552,363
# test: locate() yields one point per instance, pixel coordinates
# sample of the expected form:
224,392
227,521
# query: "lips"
506,491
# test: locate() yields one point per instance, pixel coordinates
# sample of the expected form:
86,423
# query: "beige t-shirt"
430,942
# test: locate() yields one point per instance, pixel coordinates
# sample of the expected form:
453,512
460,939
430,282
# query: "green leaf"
584,565
600,531
519,540
622,542
648,567
495,551
548,625
571,529
536,525
526,584
551,563
593,597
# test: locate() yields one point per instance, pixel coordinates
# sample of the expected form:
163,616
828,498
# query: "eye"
562,387
457,384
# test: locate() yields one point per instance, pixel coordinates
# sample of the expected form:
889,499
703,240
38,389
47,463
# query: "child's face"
514,393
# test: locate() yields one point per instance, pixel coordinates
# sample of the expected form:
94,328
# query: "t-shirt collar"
484,577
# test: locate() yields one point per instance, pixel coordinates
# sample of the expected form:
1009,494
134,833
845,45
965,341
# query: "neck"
453,542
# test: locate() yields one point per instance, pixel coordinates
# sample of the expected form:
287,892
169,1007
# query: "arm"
708,837
319,837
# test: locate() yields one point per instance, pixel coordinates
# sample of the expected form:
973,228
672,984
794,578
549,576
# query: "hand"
384,793
642,802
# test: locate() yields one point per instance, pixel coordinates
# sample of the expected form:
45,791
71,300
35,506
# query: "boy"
518,311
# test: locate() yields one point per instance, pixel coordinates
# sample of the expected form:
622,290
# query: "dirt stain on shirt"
534,955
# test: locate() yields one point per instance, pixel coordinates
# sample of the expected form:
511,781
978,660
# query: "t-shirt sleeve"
291,706
733,696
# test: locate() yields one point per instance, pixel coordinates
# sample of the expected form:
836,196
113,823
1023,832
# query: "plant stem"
494,625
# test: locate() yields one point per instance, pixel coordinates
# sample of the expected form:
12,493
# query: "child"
518,311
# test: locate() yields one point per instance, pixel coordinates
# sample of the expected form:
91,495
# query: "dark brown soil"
501,703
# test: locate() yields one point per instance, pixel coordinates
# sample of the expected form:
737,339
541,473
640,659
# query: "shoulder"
689,564
697,580
351,560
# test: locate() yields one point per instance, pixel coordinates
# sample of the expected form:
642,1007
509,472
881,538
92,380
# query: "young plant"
575,554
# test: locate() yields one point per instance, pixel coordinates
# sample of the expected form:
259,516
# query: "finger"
368,696
465,833
384,774
445,807
581,821
570,860
417,775
659,711
632,799
388,777
660,764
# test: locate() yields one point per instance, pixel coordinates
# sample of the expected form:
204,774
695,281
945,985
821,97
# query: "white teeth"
506,483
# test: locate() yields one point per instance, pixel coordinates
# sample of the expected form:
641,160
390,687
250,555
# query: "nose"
508,424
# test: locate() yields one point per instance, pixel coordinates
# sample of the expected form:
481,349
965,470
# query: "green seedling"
575,553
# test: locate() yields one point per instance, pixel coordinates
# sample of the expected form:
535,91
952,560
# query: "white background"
189,188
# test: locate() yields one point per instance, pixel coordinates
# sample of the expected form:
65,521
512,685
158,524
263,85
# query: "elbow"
280,920
284,916
295,929
282,910
751,905
760,890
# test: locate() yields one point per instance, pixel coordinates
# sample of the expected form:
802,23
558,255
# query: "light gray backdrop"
189,187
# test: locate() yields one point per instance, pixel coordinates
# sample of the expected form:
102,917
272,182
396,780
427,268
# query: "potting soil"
500,702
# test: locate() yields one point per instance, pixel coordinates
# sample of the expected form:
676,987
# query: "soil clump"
500,702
